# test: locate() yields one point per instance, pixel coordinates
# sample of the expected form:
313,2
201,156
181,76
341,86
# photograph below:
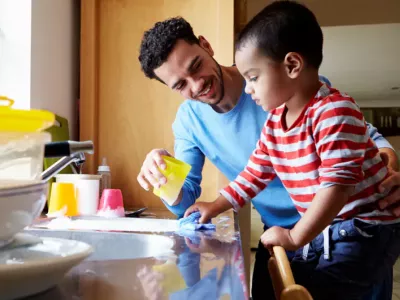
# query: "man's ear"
206,45
294,64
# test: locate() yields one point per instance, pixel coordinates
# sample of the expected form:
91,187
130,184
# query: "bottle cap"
104,167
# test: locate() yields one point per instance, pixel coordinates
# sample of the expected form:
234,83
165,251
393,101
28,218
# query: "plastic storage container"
21,142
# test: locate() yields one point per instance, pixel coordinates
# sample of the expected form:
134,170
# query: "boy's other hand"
278,236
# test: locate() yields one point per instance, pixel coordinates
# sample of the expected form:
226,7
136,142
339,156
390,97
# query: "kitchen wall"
55,58
343,12
39,55
15,56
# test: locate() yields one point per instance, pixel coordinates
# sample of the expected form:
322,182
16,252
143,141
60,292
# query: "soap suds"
114,224
112,213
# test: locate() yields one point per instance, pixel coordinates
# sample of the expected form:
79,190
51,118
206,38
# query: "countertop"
201,265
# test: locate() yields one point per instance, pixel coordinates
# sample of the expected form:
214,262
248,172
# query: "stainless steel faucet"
70,152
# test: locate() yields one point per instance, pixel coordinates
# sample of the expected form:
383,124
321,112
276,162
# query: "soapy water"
113,224
112,213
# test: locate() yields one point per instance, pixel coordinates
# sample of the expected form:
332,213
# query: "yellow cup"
63,200
176,172
173,280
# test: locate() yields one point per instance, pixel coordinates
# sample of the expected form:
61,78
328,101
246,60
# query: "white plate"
30,270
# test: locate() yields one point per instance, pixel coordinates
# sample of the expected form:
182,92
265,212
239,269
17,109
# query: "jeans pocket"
355,229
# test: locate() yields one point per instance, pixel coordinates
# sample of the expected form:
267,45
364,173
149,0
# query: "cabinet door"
124,113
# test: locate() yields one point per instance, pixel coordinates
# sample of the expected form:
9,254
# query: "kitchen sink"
114,245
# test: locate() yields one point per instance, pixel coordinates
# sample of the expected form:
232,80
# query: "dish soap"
105,172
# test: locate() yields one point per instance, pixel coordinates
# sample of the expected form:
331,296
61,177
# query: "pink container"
111,204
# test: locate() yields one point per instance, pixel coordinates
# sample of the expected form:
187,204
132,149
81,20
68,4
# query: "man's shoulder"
190,106
188,112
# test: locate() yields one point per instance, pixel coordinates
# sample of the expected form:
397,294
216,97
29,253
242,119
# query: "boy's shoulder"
331,102
328,97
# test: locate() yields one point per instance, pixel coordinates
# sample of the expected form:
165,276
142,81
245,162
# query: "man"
219,122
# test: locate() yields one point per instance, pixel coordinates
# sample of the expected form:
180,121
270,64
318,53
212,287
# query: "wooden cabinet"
124,113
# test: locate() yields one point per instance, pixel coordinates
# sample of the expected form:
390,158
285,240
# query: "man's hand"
278,236
208,245
150,281
209,210
391,183
150,174
391,201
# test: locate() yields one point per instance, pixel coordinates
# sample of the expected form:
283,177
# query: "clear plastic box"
22,154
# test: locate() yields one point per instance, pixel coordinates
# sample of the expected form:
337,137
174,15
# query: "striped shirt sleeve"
341,139
253,179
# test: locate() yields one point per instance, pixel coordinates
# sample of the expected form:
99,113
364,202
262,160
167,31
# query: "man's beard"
221,82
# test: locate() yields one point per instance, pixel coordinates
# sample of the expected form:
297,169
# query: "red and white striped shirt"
327,145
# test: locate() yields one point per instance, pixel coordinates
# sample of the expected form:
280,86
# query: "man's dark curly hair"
159,41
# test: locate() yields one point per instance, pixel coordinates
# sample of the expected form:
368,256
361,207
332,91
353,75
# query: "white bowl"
21,202
25,271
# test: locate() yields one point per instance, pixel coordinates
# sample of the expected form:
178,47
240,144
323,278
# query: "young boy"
315,139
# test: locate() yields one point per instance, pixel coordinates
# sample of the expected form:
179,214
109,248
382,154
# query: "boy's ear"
206,45
294,64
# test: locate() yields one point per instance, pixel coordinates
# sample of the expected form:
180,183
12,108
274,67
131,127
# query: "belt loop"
327,255
305,251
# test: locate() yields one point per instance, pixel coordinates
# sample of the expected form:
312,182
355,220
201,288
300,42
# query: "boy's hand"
206,209
209,210
278,236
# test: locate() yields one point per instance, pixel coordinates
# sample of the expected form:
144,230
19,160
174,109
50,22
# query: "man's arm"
389,155
392,183
185,149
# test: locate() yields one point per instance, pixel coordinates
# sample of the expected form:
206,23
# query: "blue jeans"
361,255
382,290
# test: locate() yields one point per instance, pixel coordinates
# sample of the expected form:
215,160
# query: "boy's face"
266,81
191,71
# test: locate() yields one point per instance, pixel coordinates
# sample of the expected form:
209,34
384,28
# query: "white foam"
112,213
114,224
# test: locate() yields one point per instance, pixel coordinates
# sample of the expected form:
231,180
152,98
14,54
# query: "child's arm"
209,210
326,206
251,181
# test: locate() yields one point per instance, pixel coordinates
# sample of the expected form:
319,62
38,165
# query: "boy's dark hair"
159,41
283,27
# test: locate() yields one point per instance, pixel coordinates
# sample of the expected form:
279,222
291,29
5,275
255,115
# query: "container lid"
104,167
72,177
18,120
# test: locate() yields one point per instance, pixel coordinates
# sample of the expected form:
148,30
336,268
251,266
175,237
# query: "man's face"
192,71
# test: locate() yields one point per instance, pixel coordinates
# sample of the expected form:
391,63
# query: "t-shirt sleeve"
253,179
342,141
